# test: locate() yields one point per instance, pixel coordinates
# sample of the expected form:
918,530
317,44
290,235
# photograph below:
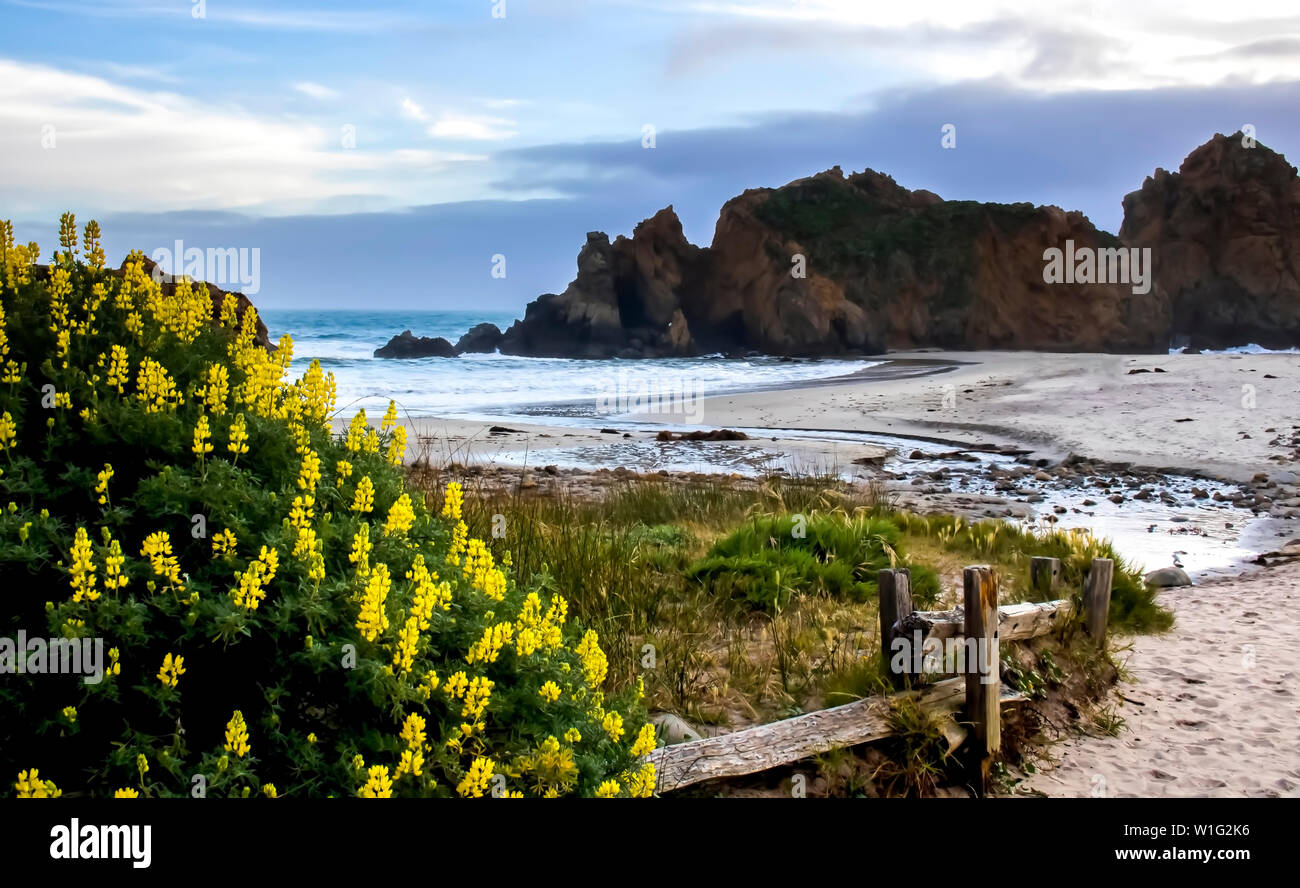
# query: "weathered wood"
983,681
895,603
1016,622
1096,597
1044,574
780,743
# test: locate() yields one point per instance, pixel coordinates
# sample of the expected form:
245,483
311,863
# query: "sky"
392,154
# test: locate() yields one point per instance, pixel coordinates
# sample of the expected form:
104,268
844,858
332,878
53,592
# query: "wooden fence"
977,696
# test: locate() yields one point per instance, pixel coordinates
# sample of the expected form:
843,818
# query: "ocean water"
479,386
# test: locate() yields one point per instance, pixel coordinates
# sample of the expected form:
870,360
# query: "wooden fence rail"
977,696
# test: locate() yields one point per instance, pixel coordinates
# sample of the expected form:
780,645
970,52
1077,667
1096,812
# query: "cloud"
475,128
412,110
76,140
315,90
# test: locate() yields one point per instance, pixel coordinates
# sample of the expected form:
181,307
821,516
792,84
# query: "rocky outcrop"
836,264
407,345
1224,232
481,338
625,301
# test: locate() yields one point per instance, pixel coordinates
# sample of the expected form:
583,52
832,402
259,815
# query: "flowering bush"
281,616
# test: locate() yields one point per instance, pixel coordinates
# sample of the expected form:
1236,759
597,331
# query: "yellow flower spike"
202,445
269,790
81,575
238,437
237,735
70,713
475,783
608,790
645,742
390,417
453,501
155,387
373,619
126,793
363,501
400,517
223,543
158,549
215,390
613,725
378,784
8,431
594,663
550,692
31,786
172,670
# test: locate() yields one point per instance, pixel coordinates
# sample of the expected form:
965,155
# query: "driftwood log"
781,743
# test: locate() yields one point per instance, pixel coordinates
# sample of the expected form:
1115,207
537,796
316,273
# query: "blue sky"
473,134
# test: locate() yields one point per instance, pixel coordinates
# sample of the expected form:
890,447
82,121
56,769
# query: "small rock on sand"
674,729
1168,576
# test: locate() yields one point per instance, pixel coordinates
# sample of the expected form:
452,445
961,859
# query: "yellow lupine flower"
70,713
400,517
223,543
8,430
608,790
172,670
573,735
119,368
397,447
453,501
126,793
237,735
202,445
101,484
613,725
81,575
373,619
253,582
215,391
645,741
550,692
238,437
475,783
378,785
155,387
158,549
364,499
594,663
309,473
31,786
113,563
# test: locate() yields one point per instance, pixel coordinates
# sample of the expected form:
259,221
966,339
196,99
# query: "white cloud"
412,110
476,128
315,90
119,148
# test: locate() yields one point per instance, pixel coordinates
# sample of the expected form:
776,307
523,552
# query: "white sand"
1222,701
1063,403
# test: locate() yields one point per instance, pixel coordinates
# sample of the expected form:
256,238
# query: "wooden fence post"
895,603
1044,573
1096,598
983,677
